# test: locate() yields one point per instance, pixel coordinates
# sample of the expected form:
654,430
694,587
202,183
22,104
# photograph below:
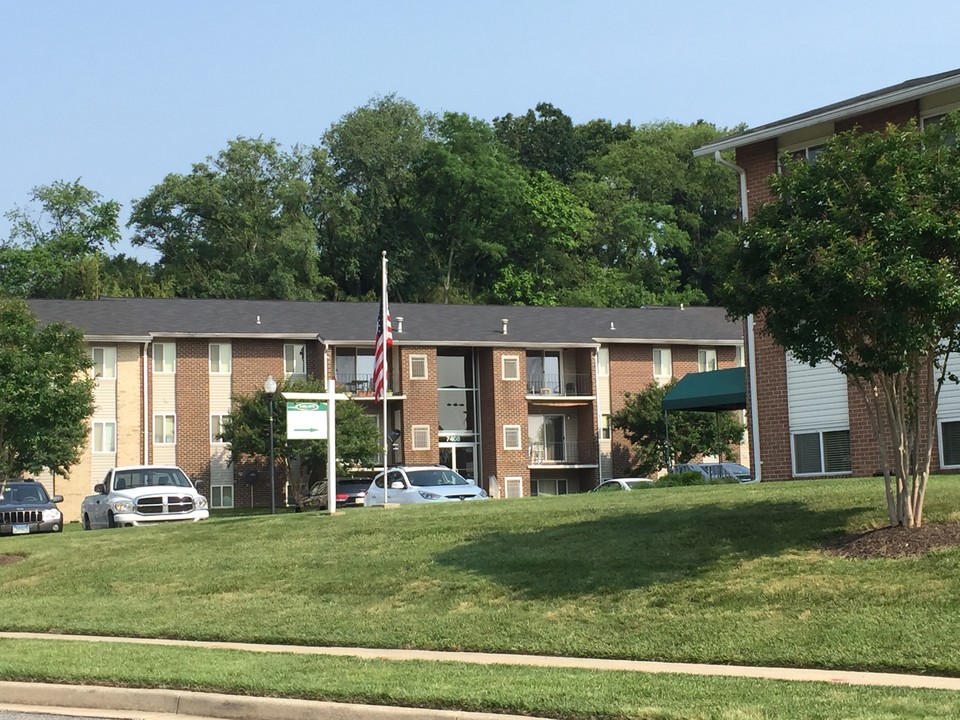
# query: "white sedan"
622,484
422,484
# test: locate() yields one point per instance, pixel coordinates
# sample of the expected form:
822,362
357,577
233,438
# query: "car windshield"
24,494
432,478
149,477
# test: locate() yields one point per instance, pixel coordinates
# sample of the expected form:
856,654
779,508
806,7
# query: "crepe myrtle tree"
856,262
246,430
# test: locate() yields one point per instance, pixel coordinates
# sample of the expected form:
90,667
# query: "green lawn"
725,574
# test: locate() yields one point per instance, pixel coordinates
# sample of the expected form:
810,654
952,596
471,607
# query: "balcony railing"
562,453
355,384
564,385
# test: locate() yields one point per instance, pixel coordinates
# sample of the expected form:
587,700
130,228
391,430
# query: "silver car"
422,484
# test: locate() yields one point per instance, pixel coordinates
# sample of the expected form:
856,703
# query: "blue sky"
118,94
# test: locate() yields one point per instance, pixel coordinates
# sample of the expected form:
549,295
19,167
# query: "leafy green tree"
236,226
46,394
691,433
372,153
56,248
247,432
541,139
857,263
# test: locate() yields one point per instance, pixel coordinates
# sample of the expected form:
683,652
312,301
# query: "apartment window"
817,453
104,362
550,487
706,359
104,437
740,356
221,496
164,358
354,369
420,437
294,359
219,358
950,443
605,427
510,365
543,372
418,367
164,429
216,428
662,365
511,437
603,362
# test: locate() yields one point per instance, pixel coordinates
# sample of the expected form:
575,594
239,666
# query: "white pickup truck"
143,495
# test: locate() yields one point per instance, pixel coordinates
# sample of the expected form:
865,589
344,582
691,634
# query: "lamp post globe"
270,388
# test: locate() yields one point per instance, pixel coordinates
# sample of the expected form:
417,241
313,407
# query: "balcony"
575,453
359,387
566,385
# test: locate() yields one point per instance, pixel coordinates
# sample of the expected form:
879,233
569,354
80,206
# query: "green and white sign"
306,420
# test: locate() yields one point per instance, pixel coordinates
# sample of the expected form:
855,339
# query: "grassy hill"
722,574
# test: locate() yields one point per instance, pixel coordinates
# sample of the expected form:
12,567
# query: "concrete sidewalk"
174,703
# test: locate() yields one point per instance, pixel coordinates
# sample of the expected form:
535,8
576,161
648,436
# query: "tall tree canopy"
857,263
46,394
236,226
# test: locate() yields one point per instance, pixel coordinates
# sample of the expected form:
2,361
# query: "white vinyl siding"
948,418
819,418
816,397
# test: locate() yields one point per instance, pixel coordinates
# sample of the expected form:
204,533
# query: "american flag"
384,343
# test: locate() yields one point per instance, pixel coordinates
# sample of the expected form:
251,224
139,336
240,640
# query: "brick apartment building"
805,421
517,398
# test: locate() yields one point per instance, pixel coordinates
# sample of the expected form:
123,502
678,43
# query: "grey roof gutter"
831,113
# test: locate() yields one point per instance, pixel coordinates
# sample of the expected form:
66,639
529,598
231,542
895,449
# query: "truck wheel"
111,523
85,523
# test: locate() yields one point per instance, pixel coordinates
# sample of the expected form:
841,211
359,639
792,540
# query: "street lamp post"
270,388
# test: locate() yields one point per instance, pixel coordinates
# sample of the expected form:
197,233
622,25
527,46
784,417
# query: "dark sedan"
25,508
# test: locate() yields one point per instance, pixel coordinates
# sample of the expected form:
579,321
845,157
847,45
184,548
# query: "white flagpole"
386,373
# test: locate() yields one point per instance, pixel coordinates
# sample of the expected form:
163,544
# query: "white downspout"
751,345
146,404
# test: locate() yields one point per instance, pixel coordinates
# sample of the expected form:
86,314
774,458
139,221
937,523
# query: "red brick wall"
420,406
193,408
503,402
879,119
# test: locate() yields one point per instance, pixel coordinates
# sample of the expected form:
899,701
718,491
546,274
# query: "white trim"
426,371
93,437
163,440
503,367
419,432
220,363
507,429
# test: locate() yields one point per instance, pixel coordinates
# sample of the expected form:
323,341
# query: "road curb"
214,705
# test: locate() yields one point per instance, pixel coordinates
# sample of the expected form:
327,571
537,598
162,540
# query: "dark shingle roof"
894,94
346,322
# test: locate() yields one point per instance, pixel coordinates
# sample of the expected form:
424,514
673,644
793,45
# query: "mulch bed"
10,559
896,542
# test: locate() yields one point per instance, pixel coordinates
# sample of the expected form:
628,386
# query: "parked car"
422,484
143,495
350,493
717,471
26,508
622,484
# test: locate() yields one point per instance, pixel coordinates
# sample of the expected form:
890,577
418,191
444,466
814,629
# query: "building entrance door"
460,456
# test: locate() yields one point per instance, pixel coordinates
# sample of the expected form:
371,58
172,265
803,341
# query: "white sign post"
306,421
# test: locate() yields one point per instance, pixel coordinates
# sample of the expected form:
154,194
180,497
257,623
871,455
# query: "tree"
46,395
247,432
236,226
857,263
57,251
541,139
691,433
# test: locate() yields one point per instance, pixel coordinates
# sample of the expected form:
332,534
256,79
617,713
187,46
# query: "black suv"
25,508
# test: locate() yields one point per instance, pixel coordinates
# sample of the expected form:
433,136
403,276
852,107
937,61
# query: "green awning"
709,391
